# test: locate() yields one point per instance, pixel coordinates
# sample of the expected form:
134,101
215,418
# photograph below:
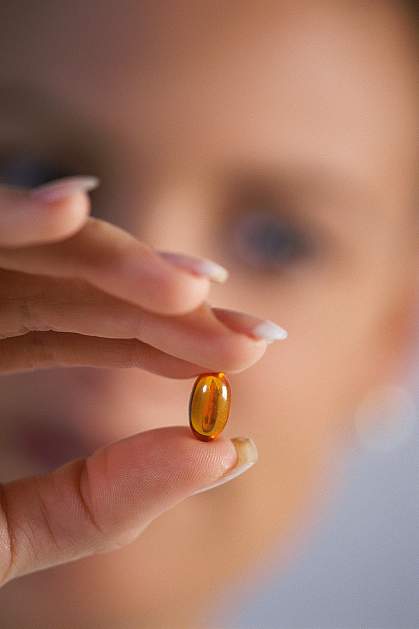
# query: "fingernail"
197,266
252,326
62,188
247,455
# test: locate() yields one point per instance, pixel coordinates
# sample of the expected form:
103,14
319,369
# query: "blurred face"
278,141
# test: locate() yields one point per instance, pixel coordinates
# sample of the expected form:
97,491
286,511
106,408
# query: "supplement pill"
209,405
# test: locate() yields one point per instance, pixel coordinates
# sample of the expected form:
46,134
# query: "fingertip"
63,204
174,291
236,352
246,456
64,217
186,293
26,219
180,462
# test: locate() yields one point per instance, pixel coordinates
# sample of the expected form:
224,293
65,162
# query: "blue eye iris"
264,240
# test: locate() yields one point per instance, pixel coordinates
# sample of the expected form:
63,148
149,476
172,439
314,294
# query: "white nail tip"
269,331
215,271
59,189
200,266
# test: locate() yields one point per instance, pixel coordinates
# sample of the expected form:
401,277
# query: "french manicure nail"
197,266
62,188
259,329
269,331
247,455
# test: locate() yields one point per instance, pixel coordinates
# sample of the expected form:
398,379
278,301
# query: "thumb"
101,503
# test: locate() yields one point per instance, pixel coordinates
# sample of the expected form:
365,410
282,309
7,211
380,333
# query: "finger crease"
83,474
44,513
10,538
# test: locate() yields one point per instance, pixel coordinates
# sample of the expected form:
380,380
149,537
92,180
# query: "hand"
78,291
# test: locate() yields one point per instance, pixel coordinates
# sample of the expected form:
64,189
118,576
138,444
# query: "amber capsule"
209,405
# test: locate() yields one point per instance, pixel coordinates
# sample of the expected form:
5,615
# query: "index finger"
114,261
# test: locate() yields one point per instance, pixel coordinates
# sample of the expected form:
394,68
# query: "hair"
412,5
412,9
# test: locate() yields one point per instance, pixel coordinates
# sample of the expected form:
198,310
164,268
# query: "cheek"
298,401
305,389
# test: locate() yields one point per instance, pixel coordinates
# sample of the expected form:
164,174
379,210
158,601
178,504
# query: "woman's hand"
79,291
97,296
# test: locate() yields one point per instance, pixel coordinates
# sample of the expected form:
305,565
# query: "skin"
191,118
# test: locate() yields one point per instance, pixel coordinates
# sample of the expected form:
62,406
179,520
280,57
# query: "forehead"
325,80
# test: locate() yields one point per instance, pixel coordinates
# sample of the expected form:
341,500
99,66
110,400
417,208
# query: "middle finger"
36,303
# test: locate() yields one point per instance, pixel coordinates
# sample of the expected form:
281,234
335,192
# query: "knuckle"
105,536
108,531
85,491
47,521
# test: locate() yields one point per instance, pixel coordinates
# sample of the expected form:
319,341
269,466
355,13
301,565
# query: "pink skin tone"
300,106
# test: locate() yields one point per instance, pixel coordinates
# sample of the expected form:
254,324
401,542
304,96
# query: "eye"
27,172
264,240
24,170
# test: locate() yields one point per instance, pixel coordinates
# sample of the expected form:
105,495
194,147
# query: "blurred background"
359,567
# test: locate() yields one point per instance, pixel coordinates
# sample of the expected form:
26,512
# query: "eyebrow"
18,99
23,100
26,101
301,182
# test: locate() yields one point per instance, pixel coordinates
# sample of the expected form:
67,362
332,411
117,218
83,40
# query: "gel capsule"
209,405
